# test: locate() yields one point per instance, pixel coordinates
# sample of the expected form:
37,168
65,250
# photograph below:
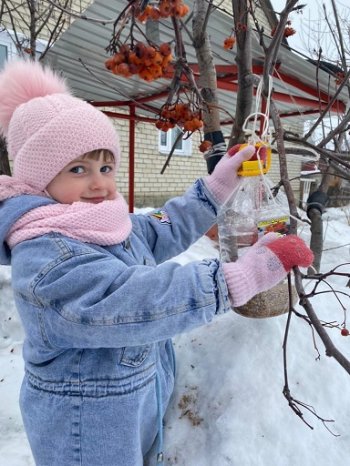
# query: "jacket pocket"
134,356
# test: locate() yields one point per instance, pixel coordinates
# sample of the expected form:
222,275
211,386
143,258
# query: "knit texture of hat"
45,126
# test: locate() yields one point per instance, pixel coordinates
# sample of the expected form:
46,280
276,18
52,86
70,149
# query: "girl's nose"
96,181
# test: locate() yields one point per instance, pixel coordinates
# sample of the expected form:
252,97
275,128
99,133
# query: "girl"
98,301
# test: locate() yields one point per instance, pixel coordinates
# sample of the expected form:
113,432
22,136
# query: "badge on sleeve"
162,216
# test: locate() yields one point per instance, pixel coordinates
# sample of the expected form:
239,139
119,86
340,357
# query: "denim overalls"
99,362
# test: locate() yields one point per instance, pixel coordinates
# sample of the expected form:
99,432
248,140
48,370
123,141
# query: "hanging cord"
265,133
265,138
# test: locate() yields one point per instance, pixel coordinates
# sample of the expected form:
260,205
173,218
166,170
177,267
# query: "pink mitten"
264,265
224,178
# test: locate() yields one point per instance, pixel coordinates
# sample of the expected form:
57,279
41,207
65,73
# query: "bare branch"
342,52
271,54
327,154
71,13
292,402
326,110
331,350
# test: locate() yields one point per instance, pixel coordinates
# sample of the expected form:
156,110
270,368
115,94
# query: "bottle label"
278,225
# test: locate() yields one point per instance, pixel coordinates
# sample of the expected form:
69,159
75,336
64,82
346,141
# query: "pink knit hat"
45,126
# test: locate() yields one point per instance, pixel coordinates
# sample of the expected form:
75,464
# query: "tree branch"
331,350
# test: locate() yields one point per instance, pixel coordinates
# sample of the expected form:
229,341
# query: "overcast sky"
311,26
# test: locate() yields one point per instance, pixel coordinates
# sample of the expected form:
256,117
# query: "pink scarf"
106,223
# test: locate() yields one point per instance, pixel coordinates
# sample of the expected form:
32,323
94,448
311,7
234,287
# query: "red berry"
205,146
345,332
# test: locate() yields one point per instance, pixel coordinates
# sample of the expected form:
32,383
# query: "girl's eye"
78,169
106,169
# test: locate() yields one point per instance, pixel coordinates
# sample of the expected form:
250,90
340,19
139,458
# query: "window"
167,140
3,55
8,50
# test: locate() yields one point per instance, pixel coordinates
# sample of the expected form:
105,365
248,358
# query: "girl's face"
85,179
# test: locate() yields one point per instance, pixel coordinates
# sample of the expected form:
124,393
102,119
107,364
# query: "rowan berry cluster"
339,78
149,62
179,114
164,9
241,27
229,42
288,30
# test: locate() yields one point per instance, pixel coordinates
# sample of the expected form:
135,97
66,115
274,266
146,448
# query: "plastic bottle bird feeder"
251,212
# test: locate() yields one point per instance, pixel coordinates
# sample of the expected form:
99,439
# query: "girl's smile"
93,200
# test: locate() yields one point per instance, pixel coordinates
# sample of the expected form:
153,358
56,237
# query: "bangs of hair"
96,154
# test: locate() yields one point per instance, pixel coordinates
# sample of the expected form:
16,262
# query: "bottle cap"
254,166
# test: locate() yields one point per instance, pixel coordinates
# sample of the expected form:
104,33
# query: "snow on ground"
228,407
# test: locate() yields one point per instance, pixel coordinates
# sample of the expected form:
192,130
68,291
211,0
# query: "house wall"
151,187
294,166
226,6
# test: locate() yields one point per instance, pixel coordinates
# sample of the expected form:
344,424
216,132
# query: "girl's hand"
224,179
264,265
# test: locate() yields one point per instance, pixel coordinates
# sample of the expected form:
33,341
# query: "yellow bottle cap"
257,167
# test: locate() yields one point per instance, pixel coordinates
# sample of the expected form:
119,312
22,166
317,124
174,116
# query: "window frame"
8,39
186,150
6,55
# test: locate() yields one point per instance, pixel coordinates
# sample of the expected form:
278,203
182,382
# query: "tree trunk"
4,160
244,64
316,242
207,84
315,206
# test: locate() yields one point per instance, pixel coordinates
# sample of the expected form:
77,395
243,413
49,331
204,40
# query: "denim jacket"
99,364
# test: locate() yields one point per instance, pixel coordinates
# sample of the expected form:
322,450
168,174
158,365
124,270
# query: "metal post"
131,157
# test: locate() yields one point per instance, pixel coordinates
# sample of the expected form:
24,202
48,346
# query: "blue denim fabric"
99,322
